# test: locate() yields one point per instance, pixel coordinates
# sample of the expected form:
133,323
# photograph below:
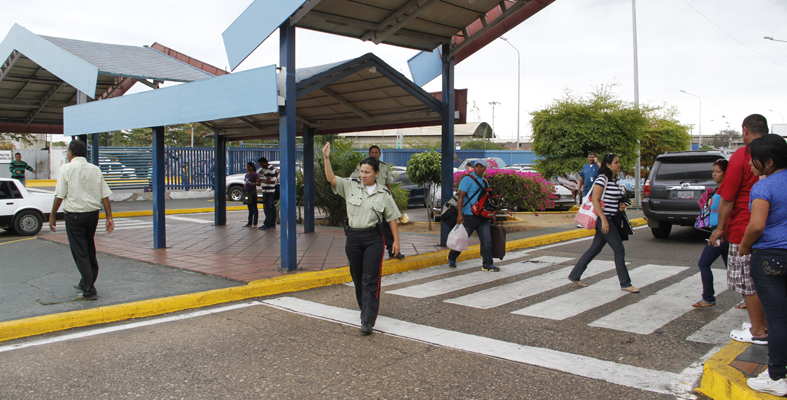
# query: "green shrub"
525,190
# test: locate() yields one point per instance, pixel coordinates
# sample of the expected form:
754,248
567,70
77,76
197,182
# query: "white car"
21,211
236,182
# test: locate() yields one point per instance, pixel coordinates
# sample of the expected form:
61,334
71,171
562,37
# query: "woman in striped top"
606,189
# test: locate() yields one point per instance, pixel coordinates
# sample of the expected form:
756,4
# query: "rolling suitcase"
498,234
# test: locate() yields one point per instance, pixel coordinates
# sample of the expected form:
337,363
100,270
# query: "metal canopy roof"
355,95
40,75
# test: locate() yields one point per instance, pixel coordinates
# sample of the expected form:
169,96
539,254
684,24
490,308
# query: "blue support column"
219,180
159,223
289,260
82,138
308,179
447,173
94,153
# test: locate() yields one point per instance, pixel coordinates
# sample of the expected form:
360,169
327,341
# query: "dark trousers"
254,213
81,229
269,208
613,239
772,291
365,254
709,255
388,236
481,227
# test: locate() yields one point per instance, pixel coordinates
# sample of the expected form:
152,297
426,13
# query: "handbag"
586,216
246,198
457,238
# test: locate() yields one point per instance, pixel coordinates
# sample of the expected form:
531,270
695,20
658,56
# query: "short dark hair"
374,146
757,124
372,162
592,153
722,164
262,160
768,147
251,164
78,148
18,154
603,169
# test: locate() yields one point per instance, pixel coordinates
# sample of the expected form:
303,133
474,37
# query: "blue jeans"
480,226
772,291
709,255
613,239
269,208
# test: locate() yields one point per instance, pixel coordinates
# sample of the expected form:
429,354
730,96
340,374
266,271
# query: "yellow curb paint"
18,240
145,213
268,287
720,381
41,183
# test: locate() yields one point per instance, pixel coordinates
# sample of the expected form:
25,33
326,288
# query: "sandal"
703,304
741,305
745,336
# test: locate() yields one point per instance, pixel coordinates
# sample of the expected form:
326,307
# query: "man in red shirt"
734,216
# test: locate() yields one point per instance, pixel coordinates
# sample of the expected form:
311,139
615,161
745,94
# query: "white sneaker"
764,383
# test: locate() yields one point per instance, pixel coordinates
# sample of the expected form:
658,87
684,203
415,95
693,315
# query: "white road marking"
497,296
124,327
588,367
657,310
447,285
602,292
202,221
126,223
718,330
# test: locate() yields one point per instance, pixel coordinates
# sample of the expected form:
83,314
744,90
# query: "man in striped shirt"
82,190
268,177
18,167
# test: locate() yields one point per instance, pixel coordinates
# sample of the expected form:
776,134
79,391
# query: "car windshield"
683,171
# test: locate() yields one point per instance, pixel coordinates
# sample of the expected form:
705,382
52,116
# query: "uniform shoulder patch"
387,190
355,179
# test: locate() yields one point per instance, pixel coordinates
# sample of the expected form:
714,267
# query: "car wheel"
235,193
28,223
662,232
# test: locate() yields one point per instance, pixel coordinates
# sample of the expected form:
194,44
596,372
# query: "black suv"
676,182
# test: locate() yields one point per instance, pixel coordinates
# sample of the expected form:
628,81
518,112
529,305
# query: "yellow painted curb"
289,283
145,213
720,381
41,183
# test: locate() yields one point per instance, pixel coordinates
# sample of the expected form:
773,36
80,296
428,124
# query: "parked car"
115,170
522,167
417,193
565,198
471,162
628,184
21,211
676,182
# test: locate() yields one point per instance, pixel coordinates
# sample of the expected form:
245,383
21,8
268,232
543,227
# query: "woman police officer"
367,203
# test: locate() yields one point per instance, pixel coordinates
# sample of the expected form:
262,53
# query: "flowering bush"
526,190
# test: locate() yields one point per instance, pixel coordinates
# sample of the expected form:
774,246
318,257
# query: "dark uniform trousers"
81,229
365,249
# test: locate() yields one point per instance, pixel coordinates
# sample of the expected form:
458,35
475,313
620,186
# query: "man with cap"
471,188
384,178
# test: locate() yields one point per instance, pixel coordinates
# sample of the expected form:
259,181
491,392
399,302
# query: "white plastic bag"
457,238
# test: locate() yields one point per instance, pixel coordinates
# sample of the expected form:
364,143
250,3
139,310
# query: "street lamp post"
518,89
775,40
778,113
700,125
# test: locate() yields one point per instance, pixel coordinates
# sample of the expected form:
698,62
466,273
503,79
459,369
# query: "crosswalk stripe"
718,330
655,311
443,286
202,221
589,367
602,292
500,295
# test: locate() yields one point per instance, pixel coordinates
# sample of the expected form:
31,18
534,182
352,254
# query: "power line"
733,37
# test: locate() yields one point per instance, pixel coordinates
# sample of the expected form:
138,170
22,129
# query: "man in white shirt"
82,190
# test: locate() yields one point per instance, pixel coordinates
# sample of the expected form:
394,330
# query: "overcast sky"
711,48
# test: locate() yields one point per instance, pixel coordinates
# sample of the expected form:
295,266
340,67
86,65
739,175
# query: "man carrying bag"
475,216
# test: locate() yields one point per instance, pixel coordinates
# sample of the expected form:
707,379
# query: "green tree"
344,160
662,134
569,128
725,138
482,144
706,146
26,138
423,169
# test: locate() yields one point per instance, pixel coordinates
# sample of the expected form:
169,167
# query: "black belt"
364,230
88,212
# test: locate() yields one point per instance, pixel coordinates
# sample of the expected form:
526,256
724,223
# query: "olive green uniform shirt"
364,209
385,177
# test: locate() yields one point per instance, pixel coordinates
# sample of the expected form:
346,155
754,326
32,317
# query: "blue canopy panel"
66,66
254,25
234,95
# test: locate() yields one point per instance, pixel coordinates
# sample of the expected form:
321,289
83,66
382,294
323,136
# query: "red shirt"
737,183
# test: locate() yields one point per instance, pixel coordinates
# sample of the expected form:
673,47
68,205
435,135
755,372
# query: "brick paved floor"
234,252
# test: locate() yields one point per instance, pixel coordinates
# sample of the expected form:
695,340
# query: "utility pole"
494,103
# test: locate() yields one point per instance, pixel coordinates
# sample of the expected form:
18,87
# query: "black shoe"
247,226
398,256
366,329
81,296
490,268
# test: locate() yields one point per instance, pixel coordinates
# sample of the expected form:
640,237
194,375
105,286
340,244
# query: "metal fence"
400,157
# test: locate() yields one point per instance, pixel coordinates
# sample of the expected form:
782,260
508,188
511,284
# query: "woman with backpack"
711,253
606,189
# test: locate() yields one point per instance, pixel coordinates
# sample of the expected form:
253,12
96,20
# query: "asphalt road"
524,333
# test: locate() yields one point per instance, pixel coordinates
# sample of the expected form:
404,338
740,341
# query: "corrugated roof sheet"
130,61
